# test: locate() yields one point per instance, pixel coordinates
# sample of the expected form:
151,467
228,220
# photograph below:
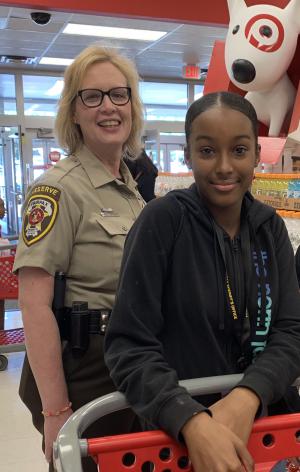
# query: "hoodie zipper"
236,265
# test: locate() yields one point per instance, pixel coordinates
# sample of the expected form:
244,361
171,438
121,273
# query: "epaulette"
64,167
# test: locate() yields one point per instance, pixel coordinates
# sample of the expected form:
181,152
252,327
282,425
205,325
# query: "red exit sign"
191,71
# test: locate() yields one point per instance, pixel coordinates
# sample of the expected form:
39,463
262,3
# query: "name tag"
108,212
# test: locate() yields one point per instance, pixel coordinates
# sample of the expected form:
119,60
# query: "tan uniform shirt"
76,217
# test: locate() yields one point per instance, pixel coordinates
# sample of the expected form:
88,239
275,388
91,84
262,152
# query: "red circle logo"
265,32
36,216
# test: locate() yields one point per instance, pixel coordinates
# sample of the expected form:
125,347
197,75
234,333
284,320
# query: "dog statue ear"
293,8
233,4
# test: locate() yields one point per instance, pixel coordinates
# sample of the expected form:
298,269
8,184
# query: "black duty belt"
97,322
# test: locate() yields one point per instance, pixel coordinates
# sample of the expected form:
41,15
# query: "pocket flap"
113,225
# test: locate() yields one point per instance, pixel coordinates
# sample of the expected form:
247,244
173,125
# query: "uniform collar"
98,174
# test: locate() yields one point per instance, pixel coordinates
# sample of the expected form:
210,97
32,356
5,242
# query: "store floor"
20,443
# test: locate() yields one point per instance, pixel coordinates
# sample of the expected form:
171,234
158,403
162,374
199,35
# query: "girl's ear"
187,159
258,151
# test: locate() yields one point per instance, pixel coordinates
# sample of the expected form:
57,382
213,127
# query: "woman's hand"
237,411
52,425
214,447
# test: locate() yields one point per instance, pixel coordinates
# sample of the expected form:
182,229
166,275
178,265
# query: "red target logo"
265,32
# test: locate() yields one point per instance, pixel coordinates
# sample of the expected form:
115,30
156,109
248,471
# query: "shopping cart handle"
68,448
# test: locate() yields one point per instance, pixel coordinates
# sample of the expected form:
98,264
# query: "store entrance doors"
173,157
11,178
41,149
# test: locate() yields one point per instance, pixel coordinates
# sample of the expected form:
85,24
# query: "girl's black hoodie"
172,317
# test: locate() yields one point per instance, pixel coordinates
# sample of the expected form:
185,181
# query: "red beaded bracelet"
56,413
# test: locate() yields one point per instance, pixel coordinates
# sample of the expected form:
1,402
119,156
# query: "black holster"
79,328
78,323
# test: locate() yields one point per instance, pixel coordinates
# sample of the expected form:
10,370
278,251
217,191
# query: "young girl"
208,287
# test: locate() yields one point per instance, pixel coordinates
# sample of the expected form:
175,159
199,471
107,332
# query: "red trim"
213,12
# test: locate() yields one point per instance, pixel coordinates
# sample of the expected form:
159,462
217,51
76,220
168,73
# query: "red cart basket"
11,339
272,439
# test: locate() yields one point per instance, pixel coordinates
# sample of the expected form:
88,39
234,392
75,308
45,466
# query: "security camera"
40,17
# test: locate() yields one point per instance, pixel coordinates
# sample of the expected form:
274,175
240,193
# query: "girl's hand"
237,412
214,447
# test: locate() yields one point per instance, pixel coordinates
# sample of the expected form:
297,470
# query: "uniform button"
124,228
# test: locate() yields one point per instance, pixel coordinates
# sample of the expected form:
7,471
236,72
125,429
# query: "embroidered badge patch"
40,214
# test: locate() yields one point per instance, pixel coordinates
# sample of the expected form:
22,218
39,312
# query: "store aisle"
20,443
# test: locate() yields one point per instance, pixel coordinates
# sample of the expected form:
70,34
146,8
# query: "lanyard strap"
245,247
231,299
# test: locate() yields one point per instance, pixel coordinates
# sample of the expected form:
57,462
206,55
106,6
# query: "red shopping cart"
272,439
11,339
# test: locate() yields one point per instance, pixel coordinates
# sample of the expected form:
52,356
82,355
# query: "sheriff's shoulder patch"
40,213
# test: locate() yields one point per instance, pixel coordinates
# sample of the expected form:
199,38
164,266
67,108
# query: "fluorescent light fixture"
3,23
56,61
172,134
182,100
56,89
109,32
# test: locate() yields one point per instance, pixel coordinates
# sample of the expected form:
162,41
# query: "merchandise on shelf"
282,191
292,223
165,182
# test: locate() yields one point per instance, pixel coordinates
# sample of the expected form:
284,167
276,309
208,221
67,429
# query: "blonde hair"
68,133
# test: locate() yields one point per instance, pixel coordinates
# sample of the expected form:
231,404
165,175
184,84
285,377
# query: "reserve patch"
40,213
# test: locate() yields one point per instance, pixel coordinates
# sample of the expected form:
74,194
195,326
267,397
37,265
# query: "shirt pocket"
113,225
115,229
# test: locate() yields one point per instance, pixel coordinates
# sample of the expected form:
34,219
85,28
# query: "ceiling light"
182,100
3,23
109,32
55,61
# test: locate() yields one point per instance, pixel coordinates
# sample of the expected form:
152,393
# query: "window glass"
177,163
198,91
41,94
164,101
7,95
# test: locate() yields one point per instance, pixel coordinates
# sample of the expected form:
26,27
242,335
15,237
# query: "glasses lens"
91,97
119,96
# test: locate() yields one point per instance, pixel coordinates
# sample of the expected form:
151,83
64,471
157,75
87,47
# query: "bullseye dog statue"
259,48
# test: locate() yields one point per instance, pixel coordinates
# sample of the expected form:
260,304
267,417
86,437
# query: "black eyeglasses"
93,98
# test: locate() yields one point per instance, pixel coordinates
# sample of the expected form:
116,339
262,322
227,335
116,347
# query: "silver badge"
108,212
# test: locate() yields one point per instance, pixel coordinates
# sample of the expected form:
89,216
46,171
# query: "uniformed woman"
76,218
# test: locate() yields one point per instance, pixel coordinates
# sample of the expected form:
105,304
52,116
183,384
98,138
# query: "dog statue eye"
235,29
266,31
